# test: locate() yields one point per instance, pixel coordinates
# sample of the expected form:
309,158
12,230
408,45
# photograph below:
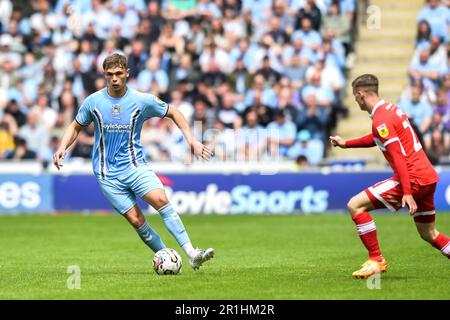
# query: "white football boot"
201,256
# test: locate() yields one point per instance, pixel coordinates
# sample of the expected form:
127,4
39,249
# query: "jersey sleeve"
153,106
362,142
385,131
84,115
400,167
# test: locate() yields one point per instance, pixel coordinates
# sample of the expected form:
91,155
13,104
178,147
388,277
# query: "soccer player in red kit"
413,183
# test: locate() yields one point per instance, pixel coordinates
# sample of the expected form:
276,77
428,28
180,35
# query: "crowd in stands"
256,78
427,100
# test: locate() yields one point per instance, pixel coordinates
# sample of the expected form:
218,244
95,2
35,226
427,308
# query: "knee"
161,201
353,207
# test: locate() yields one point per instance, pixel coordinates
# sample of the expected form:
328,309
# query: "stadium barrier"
204,193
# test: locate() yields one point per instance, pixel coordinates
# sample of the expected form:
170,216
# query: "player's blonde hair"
366,82
115,60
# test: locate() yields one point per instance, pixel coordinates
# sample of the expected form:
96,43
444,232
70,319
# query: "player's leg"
150,237
430,234
359,207
149,187
124,202
157,199
425,218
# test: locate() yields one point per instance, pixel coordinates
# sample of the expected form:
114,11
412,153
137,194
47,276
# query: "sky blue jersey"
118,123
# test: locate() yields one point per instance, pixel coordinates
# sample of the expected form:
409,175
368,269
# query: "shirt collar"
379,103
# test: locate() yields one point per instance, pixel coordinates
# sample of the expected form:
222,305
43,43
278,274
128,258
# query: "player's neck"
117,94
371,102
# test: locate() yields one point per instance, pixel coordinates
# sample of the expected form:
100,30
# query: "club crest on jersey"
383,130
115,109
158,100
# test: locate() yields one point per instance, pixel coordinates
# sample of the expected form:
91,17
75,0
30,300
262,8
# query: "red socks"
367,231
442,243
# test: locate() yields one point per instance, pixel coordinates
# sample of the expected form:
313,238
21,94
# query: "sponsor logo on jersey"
383,130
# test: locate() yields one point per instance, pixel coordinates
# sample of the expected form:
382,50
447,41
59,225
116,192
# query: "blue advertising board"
237,193
26,193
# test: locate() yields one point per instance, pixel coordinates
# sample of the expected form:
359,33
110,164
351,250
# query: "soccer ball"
167,261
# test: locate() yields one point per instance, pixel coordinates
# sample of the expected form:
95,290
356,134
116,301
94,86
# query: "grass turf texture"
257,257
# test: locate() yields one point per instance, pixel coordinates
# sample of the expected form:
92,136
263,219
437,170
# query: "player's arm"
366,141
68,138
394,149
197,148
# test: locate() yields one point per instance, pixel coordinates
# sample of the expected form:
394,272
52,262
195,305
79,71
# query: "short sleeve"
153,106
84,116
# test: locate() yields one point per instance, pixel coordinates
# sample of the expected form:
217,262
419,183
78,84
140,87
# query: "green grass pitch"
257,257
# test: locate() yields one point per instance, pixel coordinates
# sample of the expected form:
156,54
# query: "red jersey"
391,125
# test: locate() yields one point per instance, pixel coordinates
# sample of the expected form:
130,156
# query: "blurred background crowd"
258,79
427,100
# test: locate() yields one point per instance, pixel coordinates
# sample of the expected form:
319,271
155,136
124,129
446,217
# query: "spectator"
338,25
306,56
240,79
278,34
153,73
185,107
423,33
312,149
6,139
224,143
287,21
85,143
442,106
417,109
13,109
438,16
320,95
227,114
311,12
252,140
203,117
270,75
21,151
295,71
264,113
137,58
46,115
301,162
437,139
310,37
268,96
438,52
425,70
282,132
35,134
126,19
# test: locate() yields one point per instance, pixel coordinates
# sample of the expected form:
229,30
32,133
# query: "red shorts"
388,194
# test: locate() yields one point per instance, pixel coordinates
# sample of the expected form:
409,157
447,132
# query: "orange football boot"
369,268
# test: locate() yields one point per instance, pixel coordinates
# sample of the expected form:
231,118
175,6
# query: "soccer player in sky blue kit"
118,113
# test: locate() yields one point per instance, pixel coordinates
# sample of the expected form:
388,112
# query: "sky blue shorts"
121,192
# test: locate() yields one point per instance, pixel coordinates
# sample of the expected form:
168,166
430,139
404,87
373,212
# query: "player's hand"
410,202
60,154
200,150
337,141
